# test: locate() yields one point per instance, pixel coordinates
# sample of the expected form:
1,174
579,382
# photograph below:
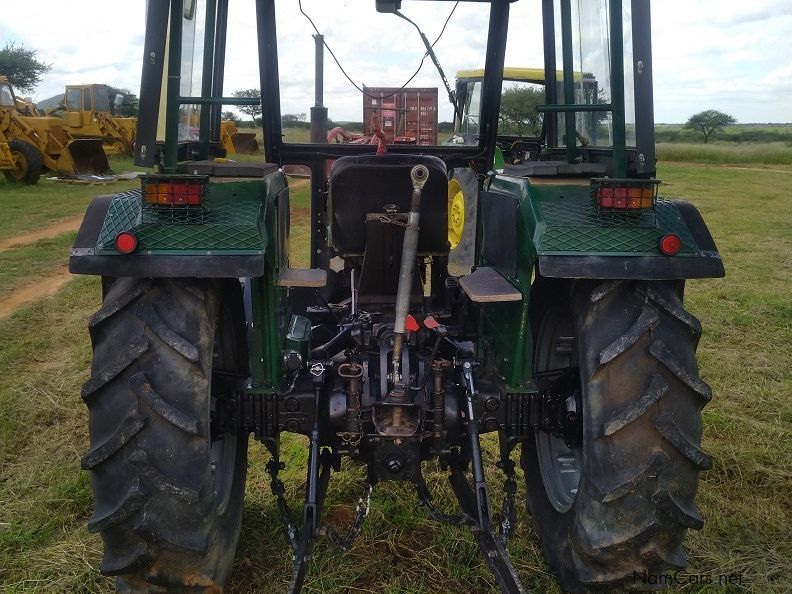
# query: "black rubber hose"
334,346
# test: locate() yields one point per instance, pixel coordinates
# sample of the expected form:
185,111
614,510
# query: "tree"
518,111
229,116
254,111
709,122
123,103
21,67
294,120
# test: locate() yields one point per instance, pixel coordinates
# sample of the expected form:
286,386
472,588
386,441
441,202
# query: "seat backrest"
365,184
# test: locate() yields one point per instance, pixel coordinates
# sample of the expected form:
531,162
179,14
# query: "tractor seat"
365,184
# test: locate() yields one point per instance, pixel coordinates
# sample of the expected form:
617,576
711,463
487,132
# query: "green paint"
227,223
206,82
174,87
617,89
298,336
555,219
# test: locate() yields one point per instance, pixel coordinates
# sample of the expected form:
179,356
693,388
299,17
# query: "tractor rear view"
442,300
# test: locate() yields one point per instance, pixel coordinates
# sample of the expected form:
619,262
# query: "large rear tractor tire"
27,163
168,486
611,509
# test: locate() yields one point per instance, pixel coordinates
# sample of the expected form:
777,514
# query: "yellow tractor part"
43,142
456,213
234,141
85,113
6,159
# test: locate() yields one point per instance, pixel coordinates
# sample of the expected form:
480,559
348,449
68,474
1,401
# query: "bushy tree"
254,111
294,120
21,67
518,111
229,116
709,122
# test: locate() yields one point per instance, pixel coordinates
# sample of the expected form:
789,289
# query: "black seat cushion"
365,184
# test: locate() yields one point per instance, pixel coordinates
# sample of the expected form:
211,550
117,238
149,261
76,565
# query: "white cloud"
729,55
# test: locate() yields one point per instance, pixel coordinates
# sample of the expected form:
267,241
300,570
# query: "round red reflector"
670,244
126,242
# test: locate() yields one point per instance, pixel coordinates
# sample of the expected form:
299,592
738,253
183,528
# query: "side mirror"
388,5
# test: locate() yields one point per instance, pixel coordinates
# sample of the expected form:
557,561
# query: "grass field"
745,355
769,153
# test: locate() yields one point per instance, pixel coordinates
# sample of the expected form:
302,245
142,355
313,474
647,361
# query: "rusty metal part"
352,372
439,368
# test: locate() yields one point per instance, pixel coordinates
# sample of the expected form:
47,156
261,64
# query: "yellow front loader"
234,141
86,113
38,143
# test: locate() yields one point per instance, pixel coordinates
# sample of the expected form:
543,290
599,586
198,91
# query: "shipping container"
407,115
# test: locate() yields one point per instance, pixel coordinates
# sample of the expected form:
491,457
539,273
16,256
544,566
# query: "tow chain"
508,516
354,530
398,223
278,490
290,523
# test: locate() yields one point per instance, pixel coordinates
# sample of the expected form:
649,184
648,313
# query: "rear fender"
541,236
228,237
562,232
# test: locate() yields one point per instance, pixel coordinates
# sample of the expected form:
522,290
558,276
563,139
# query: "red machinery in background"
407,115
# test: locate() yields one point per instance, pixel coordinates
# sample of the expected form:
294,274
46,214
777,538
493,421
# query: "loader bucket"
245,143
87,156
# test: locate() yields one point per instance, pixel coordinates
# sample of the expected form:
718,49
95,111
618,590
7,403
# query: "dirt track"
64,226
43,287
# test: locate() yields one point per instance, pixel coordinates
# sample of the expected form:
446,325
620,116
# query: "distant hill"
50,103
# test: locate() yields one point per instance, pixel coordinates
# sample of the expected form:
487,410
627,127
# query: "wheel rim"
20,165
559,464
224,446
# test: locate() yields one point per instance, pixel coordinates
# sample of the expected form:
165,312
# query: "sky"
708,54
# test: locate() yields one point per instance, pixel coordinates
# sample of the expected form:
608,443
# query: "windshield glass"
74,99
6,96
101,102
384,80
591,65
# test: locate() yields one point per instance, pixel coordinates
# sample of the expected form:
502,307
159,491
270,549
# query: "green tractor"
549,311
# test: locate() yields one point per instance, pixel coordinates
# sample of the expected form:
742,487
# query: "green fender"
228,236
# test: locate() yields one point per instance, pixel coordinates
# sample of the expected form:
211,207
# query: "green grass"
775,153
25,264
26,208
745,355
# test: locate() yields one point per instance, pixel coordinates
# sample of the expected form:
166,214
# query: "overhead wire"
352,82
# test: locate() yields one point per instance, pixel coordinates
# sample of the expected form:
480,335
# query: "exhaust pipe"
419,174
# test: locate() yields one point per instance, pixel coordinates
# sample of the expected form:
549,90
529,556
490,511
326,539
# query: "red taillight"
126,242
625,194
174,190
670,244
605,197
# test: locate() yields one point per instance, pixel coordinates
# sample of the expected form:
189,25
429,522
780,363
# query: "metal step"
487,285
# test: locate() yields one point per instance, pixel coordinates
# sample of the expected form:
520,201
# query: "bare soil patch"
64,226
41,288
